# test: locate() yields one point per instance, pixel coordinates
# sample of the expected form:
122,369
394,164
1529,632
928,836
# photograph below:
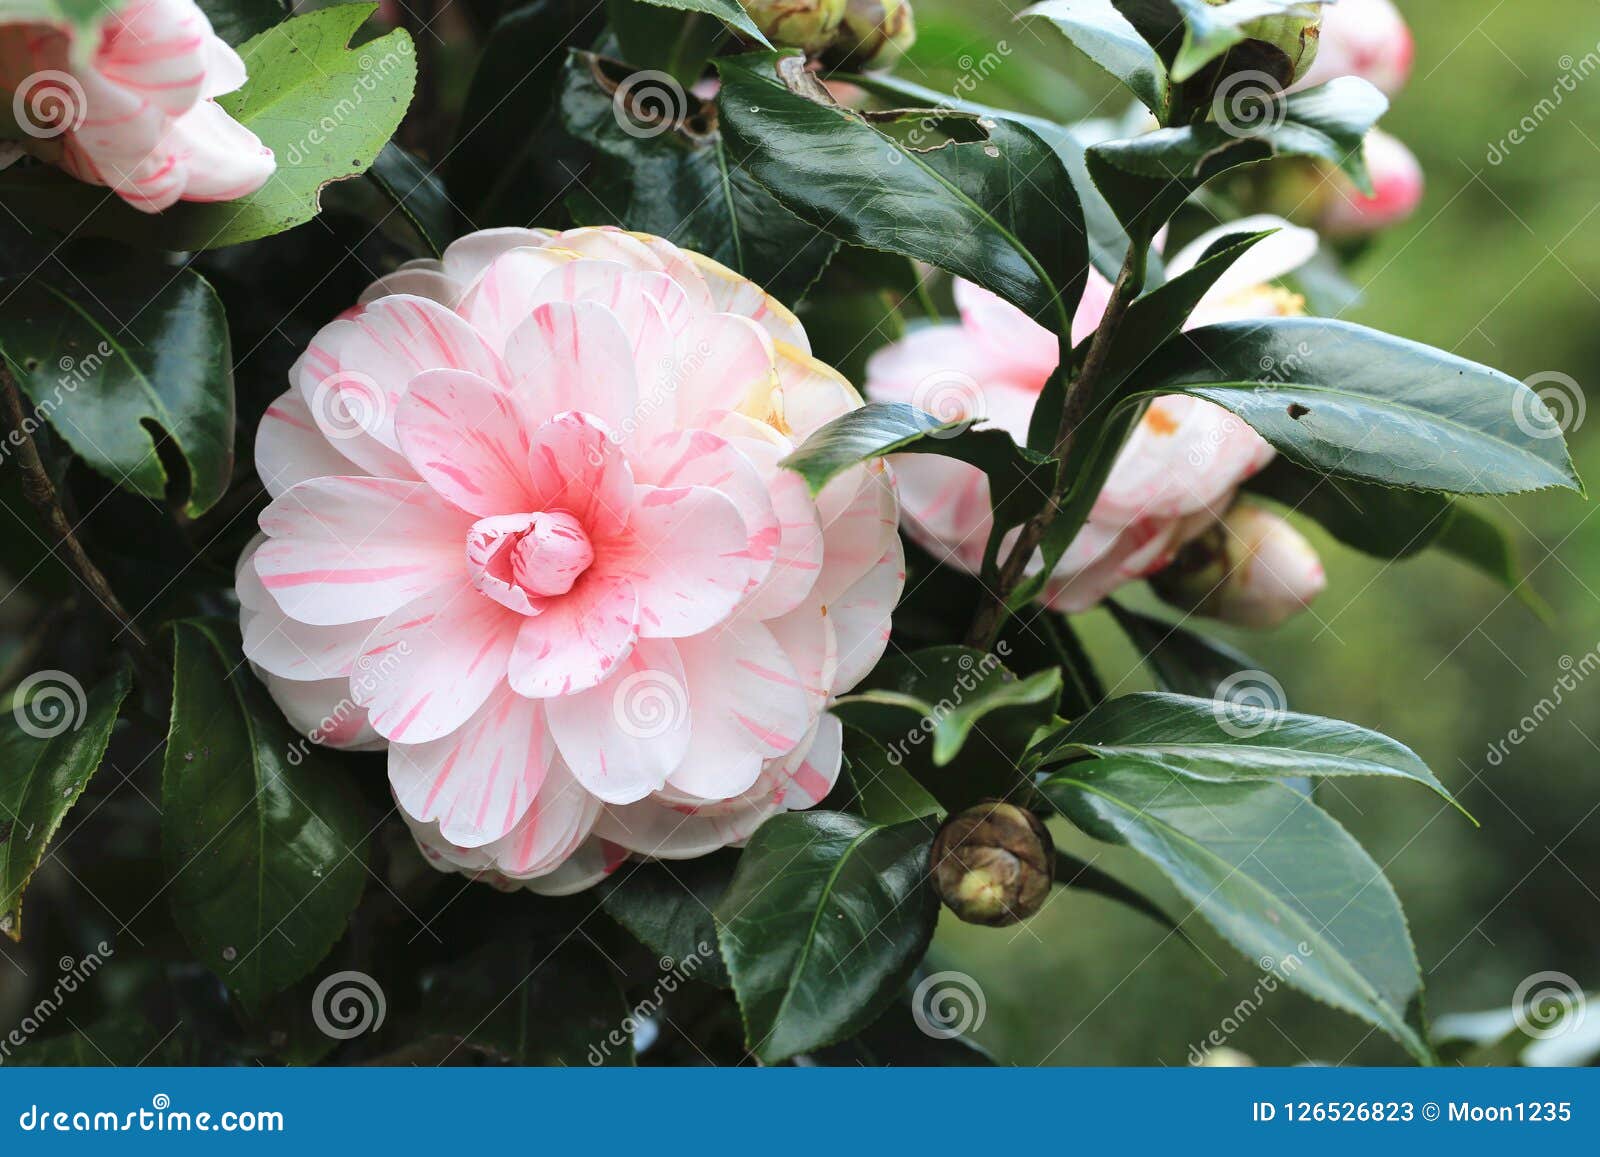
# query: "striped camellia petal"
134,110
531,533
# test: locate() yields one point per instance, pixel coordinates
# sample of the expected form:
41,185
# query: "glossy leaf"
103,353
1231,740
1020,476
1378,520
825,919
1211,28
325,109
898,1038
1072,872
1145,178
1182,660
981,197
666,906
238,20
1274,874
730,12
1105,36
885,792
264,844
51,743
675,178
418,195
1352,401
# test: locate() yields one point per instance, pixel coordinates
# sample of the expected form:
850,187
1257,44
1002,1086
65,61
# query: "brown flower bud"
806,24
993,863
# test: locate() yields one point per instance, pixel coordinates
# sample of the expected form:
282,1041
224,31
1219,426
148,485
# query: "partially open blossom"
1174,477
804,24
1396,191
530,534
136,111
1251,569
1365,38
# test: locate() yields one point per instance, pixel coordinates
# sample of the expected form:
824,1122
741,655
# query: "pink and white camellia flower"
136,110
1175,476
1397,184
529,532
1365,38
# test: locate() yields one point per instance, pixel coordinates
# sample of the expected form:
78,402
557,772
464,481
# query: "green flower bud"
1287,44
805,24
993,864
874,34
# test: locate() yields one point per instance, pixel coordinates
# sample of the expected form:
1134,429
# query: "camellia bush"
551,533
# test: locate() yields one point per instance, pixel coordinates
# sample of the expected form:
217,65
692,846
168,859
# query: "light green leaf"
50,745
824,921
1274,874
264,841
119,342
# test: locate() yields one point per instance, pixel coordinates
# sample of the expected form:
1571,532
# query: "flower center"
519,558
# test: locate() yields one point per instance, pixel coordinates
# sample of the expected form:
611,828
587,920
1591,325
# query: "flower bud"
874,34
805,24
1365,38
1396,191
994,864
1288,42
1252,569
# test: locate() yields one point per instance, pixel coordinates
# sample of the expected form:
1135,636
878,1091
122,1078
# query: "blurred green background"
1500,264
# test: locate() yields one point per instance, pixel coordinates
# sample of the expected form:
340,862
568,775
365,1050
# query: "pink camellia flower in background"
529,532
136,111
1397,184
1252,569
1175,476
1365,38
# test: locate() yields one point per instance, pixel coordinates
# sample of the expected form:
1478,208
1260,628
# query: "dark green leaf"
1349,400
980,197
673,177
825,919
1182,660
323,108
1274,874
532,999
1021,477
1244,738
417,193
885,792
1072,872
52,742
513,88
900,1038
667,905
1482,542
730,12
1377,520
238,20
1104,35
264,842
657,38
103,353
1146,178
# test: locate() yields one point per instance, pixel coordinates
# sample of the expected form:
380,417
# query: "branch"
1080,395
40,492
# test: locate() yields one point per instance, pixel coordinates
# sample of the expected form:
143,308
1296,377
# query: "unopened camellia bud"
1365,38
1252,569
993,863
874,34
1396,190
805,24
1290,41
